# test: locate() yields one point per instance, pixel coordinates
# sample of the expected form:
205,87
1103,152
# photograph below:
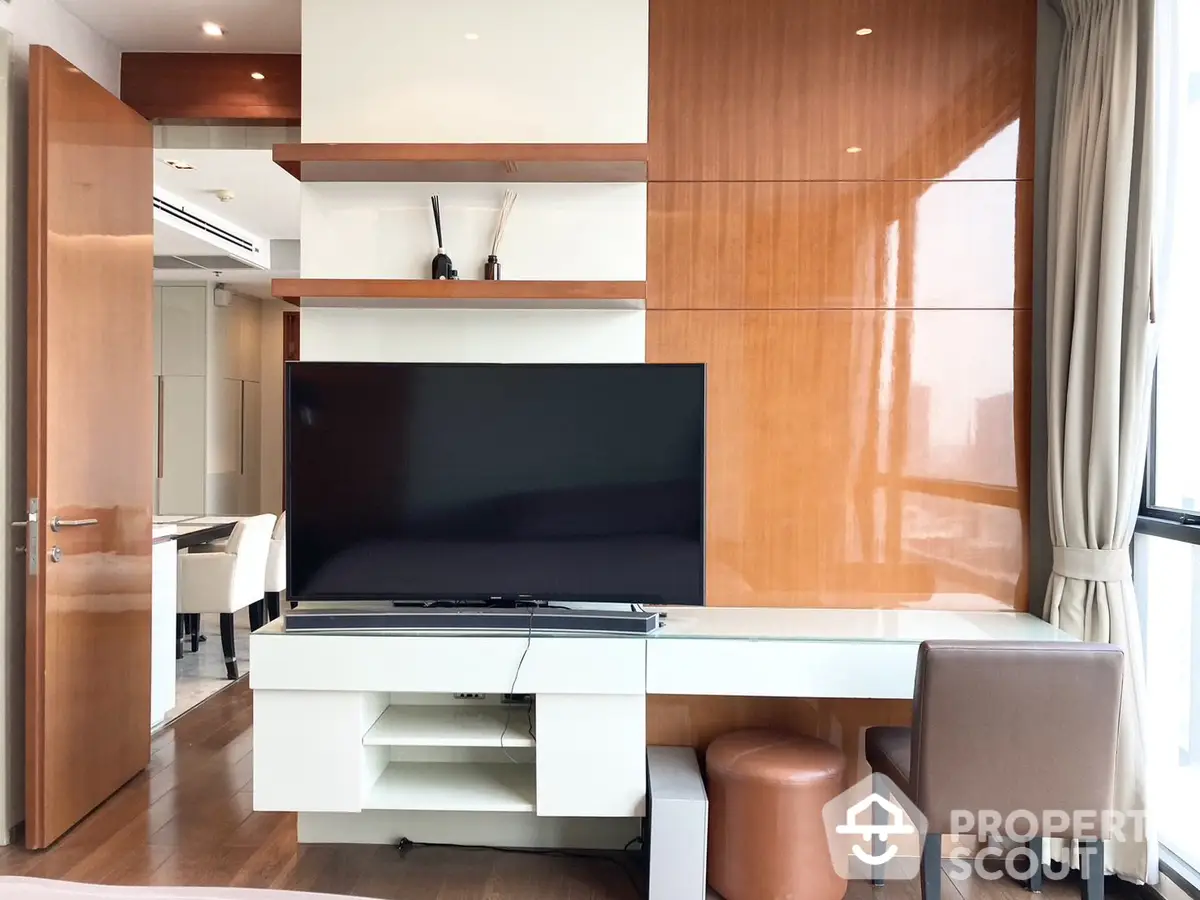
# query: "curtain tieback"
1092,565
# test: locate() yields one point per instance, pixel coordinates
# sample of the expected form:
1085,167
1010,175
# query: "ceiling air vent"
232,247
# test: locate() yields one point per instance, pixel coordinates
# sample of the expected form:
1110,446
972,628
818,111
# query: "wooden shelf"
450,726
457,787
293,289
464,162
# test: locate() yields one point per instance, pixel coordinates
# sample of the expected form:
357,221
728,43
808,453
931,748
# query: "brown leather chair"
1009,727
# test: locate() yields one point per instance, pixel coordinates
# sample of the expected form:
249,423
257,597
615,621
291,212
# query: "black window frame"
1162,521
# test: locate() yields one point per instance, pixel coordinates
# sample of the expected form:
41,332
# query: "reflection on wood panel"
780,89
861,458
797,245
213,86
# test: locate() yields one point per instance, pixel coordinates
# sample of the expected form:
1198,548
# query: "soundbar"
533,619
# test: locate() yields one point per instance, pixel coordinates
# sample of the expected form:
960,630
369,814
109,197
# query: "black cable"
404,846
513,687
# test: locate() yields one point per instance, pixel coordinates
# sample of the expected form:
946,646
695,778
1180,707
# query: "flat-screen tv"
490,483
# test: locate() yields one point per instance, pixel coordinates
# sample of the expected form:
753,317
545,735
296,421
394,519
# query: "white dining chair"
228,581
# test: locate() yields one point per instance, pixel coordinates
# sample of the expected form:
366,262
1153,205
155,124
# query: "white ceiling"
266,198
266,203
251,26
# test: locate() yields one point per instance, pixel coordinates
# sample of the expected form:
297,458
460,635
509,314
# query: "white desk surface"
730,651
874,626
908,626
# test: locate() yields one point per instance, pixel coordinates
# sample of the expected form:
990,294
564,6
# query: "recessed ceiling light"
854,149
177,164
863,31
257,76
212,29
471,36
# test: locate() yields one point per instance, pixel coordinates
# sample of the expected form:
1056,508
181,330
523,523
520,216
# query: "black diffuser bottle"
443,269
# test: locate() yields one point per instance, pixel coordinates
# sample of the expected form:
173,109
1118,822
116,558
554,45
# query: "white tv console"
363,736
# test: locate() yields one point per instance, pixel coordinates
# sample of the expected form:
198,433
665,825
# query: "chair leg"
1091,867
931,868
195,629
227,646
1033,883
256,615
272,599
179,630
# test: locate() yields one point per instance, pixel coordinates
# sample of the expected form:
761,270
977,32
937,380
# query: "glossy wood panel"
213,86
291,335
779,89
698,721
90,444
839,245
859,458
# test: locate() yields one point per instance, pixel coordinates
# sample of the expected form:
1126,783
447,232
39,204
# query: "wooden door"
90,446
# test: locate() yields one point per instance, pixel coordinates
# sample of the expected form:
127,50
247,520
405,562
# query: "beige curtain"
1100,358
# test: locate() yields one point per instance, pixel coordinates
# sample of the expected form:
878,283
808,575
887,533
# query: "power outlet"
517,699
468,696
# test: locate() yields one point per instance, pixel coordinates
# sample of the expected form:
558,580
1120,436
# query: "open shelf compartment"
450,726
455,786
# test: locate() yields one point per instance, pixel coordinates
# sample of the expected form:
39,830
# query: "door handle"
57,524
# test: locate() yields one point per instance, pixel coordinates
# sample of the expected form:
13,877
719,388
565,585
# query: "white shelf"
457,787
450,726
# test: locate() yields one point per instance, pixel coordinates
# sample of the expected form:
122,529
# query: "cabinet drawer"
448,664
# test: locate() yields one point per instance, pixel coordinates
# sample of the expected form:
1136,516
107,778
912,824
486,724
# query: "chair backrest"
277,557
251,544
1016,727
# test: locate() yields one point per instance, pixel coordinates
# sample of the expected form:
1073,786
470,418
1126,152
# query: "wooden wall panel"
859,458
779,89
214,86
865,316
698,721
839,245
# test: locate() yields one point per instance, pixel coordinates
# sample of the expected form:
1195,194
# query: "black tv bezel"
486,599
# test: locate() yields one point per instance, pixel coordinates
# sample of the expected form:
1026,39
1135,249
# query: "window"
1166,556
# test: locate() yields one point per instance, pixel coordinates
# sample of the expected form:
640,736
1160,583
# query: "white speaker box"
677,824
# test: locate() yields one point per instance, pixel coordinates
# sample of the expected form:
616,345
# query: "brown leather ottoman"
766,838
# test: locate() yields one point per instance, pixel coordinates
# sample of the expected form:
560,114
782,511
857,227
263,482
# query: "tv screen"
439,482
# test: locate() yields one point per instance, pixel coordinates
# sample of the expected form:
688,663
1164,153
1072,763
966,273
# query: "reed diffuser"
491,268
443,269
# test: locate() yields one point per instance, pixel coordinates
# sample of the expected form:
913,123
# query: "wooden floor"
188,820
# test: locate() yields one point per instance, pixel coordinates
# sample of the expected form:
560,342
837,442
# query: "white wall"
24,22
555,231
472,335
45,22
539,70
